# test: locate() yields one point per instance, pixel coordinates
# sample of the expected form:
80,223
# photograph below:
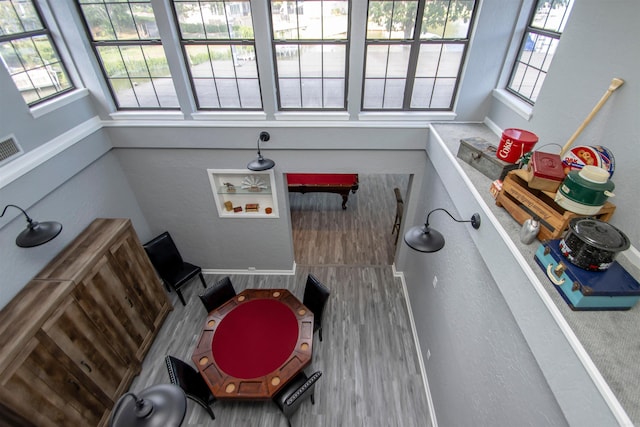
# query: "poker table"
341,183
252,345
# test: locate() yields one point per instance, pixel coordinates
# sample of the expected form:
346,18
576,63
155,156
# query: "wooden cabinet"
73,339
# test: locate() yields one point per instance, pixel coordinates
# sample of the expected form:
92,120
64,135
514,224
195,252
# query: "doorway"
361,235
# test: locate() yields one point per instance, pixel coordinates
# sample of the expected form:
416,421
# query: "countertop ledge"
605,341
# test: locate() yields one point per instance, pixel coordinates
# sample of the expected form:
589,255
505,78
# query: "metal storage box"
612,289
480,154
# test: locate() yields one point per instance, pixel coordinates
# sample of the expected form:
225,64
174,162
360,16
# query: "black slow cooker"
592,244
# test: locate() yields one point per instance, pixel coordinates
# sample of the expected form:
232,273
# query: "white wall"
66,174
173,189
98,190
480,370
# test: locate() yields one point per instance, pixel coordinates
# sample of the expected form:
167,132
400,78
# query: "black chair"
218,294
397,221
315,298
169,264
190,380
295,392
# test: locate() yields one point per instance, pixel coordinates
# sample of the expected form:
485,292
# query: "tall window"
538,47
414,53
218,43
125,38
310,47
29,54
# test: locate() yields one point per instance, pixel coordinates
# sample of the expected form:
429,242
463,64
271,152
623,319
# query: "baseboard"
251,271
414,331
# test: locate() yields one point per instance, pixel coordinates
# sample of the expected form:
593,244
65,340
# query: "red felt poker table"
252,345
341,183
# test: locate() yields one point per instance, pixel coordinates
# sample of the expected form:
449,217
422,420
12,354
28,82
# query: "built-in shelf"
241,193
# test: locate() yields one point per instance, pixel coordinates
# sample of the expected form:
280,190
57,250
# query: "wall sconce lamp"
260,163
426,239
36,233
162,405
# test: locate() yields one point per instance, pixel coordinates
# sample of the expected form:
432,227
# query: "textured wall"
481,371
173,189
99,190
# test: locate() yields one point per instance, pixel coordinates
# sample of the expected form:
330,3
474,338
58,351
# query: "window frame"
298,43
415,43
44,31
95,44
530,29
231,42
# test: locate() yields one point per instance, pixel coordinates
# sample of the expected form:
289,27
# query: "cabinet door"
114,313
42,386
74,332
143,285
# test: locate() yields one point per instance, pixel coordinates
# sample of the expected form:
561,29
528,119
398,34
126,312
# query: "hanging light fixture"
426,239
162,405
260,163
36,233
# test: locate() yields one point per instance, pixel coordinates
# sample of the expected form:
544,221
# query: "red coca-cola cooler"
514,143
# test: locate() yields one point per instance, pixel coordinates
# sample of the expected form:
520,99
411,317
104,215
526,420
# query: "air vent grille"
8,148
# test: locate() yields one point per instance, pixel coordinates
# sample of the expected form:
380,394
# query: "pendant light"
426,239
260,163
36,233
162,405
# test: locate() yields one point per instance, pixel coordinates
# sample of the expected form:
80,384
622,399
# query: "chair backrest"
164,254
396,191
189,380
216,295
293,400
399,211
315,297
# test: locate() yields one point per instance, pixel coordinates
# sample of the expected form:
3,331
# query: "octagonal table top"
253,344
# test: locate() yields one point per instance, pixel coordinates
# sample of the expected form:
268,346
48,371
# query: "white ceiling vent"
9,148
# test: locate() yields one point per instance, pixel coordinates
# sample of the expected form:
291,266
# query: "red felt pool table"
341,183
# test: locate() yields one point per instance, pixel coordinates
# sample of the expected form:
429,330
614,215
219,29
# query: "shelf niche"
241,193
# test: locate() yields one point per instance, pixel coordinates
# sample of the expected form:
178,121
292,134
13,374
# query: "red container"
514,143
545,171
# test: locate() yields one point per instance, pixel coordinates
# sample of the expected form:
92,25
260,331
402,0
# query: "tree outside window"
414,53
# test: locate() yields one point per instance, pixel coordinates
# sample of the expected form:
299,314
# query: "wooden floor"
325,234
368,358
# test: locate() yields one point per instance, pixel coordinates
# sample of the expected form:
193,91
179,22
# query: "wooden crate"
523,202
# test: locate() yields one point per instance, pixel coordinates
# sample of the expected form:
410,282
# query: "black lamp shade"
424,239
162,405
38,233
261,164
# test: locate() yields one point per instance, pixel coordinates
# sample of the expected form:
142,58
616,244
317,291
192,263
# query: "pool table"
341,183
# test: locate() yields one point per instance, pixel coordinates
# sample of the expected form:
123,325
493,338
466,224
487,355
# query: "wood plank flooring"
368,358
325,234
